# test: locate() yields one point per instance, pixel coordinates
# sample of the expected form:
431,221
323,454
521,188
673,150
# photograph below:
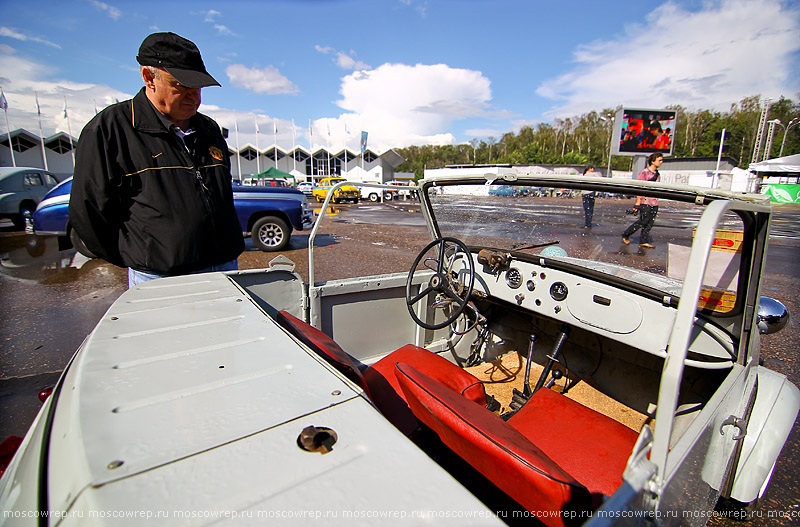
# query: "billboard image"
643,132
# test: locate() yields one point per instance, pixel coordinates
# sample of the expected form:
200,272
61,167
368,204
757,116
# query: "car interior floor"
507,373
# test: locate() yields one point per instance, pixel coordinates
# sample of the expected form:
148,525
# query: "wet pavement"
53,298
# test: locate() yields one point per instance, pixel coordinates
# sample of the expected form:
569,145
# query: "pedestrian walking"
646,207
588,201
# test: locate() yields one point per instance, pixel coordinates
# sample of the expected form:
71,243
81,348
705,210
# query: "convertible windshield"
553,222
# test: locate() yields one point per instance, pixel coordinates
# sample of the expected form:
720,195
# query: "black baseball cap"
179,56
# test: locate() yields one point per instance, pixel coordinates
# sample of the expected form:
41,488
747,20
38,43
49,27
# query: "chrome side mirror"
772,316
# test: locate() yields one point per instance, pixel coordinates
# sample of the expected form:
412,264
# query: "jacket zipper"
205,193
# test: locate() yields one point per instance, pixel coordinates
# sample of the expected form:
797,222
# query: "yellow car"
347,192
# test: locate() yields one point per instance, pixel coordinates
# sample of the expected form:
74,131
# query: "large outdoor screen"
643,132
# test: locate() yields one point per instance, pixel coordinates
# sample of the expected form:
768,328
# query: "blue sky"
407,71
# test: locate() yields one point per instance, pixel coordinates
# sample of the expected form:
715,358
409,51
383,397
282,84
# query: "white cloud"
211,15
82,98
345,60
710,58
224,30
266,80
17,35
111,11
421,7
401,105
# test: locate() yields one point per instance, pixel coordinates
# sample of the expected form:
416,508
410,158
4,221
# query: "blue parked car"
267,214
509,190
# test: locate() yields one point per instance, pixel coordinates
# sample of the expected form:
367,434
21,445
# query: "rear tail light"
7,450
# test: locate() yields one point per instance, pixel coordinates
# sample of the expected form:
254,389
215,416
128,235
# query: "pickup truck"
344,193
267,214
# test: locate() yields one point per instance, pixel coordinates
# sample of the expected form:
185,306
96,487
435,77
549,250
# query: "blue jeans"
588,209
137,277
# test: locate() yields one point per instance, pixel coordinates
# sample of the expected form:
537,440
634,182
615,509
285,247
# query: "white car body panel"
185,404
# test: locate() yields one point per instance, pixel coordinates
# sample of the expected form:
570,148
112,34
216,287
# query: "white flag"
65,108
274,126
3,101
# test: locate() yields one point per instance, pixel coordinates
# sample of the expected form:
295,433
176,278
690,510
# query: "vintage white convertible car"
252,398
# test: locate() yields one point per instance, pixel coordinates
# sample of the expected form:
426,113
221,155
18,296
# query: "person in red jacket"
645,206
152,185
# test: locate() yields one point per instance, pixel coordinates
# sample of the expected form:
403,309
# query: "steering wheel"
445,281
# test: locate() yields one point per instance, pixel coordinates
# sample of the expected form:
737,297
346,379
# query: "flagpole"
275,140
294,145
346,133
4,104
311,149
41,133
69,130
238,157
258,151
328,148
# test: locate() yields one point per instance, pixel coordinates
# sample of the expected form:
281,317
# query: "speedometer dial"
513,278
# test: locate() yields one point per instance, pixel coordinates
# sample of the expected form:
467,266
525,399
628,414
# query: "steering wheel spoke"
422,294
449,281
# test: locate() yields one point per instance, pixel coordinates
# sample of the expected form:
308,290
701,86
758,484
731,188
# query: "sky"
408,72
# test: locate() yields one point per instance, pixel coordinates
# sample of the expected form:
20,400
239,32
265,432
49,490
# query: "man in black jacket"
152,185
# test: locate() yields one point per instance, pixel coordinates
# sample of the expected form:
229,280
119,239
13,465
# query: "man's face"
657,161
178,102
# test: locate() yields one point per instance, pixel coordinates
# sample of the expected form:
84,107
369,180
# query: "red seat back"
324,346
379,380
389,397
498,451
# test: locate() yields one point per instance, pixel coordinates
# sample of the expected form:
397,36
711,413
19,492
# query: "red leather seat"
379,380
497,450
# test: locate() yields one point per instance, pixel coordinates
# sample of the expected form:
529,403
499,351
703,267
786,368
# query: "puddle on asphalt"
330,211
38,258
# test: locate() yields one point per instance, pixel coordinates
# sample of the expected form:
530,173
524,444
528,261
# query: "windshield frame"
746,206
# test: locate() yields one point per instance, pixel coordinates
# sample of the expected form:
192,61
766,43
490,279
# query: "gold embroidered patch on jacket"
215,152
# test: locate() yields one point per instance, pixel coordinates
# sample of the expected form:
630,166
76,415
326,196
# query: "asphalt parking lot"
53,298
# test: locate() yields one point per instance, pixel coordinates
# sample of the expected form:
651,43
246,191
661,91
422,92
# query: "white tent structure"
779,178
780,165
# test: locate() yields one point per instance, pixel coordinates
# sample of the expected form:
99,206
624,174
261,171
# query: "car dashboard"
619,310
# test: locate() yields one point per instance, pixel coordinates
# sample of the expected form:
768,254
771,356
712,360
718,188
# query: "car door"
696,439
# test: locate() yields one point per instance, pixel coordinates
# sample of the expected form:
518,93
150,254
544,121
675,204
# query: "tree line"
585,139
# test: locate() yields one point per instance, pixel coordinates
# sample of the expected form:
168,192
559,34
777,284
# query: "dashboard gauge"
530,285
513,278
559,291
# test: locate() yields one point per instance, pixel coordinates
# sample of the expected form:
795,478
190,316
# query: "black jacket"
140,200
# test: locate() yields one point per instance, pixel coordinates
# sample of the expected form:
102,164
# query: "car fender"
51,217
774,412
9,202
250,209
